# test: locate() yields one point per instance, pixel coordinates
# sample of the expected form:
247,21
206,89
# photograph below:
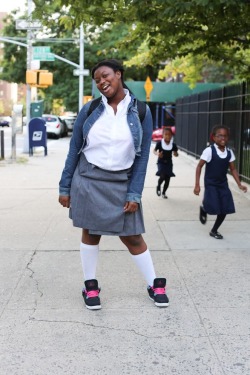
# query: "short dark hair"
112,63
167,128
217,127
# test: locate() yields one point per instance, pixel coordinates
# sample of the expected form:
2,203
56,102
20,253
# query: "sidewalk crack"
32,276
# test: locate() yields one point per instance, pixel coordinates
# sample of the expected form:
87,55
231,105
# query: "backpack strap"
141,106
94,104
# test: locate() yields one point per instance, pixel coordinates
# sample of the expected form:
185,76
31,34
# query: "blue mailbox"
37,134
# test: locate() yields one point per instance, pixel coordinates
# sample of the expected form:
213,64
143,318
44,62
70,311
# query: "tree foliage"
99,43
216,29
63,43
13,62
196,38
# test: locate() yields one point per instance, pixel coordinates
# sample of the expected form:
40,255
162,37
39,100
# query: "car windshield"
49,119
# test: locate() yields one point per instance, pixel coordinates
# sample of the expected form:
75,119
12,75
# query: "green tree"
13,62
63,43
101,42
216,29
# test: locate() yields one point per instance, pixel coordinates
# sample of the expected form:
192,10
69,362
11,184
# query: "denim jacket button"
131,124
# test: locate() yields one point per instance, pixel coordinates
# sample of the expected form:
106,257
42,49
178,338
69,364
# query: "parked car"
55,126
157,133
70,120
5,121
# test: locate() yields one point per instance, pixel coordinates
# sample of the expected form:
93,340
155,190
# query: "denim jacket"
141,134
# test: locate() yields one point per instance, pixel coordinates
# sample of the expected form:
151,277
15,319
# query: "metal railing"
198,113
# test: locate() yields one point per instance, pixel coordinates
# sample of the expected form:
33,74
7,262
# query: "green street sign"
43,54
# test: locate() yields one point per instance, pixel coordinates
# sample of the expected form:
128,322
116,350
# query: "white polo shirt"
110,143
207,154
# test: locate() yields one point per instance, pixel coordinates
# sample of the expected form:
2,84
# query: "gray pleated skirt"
98,197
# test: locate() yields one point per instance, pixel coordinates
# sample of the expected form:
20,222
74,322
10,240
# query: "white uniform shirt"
207,154
110,143
166,146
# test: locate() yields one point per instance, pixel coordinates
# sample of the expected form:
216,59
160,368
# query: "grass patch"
22,160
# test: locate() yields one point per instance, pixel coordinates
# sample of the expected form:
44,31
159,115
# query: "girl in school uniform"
218,199
164,150
103,180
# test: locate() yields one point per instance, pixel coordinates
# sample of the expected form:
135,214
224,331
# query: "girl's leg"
158,187
89,249
218,222
160,180
141,256
166,185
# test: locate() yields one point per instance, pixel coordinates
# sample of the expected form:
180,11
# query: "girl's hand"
160,154
243,187
64,200
197,190
130,207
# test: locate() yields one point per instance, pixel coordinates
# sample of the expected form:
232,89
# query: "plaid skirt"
97,199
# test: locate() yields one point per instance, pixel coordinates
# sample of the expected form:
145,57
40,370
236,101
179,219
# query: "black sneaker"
158,191
216,235
157,292
91,295
164,196
203,215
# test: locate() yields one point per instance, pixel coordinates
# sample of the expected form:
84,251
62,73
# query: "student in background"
218,199
164,150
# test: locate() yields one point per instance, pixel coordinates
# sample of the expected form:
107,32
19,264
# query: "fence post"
196,126
2,144
243,93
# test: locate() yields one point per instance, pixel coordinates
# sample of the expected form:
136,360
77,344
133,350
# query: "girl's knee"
134,241
90,239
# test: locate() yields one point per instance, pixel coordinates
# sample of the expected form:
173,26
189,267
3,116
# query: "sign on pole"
148,88
78,72
43,54
23,24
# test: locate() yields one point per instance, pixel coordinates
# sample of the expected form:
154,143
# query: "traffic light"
31,77
87,98
45,78
39,78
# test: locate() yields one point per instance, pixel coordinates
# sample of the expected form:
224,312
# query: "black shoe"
157,292
164,196
158,191
91,295
203,215
216,235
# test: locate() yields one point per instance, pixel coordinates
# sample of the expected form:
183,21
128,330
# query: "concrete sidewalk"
44,325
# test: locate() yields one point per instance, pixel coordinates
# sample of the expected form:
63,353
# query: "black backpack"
141,106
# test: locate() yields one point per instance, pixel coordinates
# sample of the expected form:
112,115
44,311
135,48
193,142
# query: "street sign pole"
28,88
81,65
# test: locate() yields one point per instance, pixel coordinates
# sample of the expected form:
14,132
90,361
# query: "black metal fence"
198,113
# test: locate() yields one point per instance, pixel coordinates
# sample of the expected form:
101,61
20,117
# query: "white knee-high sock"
89,257
145,264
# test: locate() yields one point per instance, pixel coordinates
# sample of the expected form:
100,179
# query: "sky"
9,5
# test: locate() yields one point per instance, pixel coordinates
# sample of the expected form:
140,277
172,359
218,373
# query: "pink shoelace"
92,293
159,290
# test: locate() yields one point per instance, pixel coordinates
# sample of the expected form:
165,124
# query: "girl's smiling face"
167,135
221,138
107,81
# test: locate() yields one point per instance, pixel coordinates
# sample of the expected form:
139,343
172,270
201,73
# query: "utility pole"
81,72
28,88
81,64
